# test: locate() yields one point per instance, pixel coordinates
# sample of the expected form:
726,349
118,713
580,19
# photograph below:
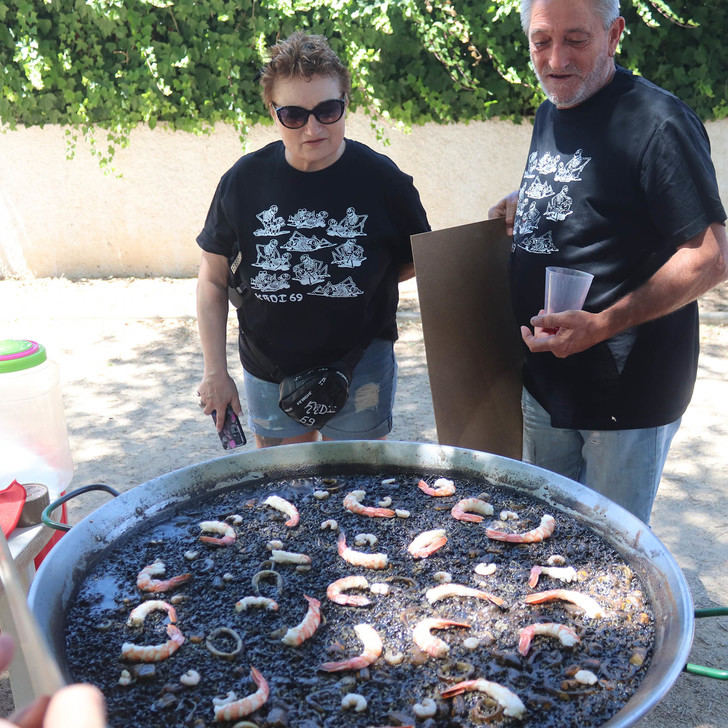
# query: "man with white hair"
605,387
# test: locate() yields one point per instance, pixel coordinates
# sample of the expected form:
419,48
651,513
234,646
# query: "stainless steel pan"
69,561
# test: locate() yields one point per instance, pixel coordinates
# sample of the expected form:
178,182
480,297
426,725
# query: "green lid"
18,354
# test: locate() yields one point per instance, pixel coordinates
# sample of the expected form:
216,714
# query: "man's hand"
506,208
565,333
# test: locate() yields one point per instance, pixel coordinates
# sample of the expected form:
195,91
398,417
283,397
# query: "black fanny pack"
312,397
315,395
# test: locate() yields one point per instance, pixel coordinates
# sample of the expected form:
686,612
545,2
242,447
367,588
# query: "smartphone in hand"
231,435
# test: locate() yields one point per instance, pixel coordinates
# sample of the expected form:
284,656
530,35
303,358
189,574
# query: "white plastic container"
33,437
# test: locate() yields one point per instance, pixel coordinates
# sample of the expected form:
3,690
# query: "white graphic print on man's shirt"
304,268
530,211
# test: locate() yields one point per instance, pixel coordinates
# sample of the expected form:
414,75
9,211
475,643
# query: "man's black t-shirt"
316,255
613,186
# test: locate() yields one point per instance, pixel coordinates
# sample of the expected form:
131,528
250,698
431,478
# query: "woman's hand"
216,392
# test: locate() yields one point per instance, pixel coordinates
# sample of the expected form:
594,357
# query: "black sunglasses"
296,117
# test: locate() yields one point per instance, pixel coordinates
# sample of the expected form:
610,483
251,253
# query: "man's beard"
594,81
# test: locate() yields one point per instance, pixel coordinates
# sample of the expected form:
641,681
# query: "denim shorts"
367,414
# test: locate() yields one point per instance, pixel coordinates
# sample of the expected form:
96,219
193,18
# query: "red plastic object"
12,500
55,538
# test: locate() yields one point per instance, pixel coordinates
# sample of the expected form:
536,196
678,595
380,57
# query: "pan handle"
700,669
46,515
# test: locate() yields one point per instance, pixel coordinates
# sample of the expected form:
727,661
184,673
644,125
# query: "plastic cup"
566,289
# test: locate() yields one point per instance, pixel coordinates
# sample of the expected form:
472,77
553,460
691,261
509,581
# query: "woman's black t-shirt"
315,255
613,187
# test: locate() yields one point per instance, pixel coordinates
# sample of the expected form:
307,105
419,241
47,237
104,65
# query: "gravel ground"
130,364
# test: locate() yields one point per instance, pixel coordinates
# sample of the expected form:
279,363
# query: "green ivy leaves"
108,65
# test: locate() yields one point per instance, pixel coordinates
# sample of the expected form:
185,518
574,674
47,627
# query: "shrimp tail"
534,575
458,689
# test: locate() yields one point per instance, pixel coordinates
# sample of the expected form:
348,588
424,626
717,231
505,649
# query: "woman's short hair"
607,10
302,56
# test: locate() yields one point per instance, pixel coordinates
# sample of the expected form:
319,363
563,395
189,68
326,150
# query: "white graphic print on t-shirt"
348,255
559,206
272,225
267,281
296,254
270,258
350,226
308,219
539,200
538,189
301,244
346,289
571,171
310,271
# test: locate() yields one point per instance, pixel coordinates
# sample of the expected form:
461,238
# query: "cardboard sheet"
472,343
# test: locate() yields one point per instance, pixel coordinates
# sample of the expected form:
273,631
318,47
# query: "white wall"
62,217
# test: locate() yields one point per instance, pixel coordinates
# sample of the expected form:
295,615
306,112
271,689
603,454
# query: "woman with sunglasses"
313,234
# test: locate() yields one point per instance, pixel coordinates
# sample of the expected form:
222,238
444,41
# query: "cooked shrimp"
512,705
301,632
154,653
226,531
564,634
563,573
541,532
289,557
335,589
460,511
427,543
443,591
281,504
359,558
263,602
427,642
146,582
441,487
140,612
230,708
352,502
372,649
591,606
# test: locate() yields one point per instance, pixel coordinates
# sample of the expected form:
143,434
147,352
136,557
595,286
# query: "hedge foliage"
114,64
